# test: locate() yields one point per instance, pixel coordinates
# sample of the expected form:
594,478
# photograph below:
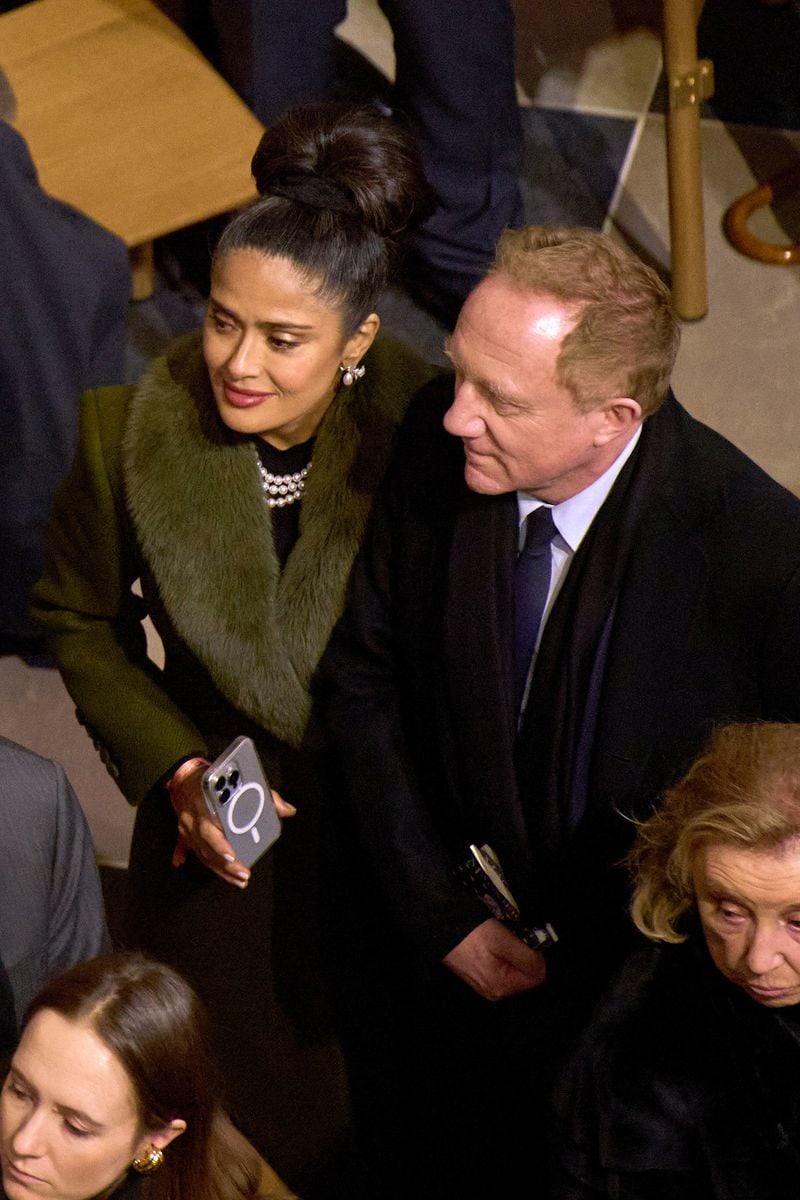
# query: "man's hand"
201,832
495,963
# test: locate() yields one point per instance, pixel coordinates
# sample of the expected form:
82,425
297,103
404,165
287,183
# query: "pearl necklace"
280,490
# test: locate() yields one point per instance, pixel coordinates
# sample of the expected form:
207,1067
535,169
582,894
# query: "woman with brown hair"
111,1092
234,482
686,1085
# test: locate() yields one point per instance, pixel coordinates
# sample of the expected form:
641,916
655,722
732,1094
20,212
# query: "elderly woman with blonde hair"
687,1082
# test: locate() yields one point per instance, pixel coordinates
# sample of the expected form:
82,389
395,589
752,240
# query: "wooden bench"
126,120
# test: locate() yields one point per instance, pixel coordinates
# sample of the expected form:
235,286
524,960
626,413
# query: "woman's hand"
201,832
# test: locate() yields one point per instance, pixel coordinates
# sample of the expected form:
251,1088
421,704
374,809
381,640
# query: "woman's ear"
160,1138
357,346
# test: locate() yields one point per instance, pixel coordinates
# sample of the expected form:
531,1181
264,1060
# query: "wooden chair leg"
689,81
143,271
737,216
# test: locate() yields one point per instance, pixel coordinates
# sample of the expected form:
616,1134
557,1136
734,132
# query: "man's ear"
618,417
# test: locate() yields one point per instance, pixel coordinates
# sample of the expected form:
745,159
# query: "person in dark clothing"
64,292
668,583
686,1084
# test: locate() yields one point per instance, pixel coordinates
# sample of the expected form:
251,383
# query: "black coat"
417,680
416,691
682,1088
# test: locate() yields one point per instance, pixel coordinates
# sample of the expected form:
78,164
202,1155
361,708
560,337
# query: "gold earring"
151,1161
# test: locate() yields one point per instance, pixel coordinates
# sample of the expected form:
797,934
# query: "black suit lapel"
559,729
477,640
652,637
665,583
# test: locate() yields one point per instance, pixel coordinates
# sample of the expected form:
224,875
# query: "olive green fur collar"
195,498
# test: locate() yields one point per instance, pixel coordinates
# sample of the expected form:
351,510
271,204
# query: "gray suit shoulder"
51,907
42,776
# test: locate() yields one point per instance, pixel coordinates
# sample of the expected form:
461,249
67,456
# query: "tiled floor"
594,154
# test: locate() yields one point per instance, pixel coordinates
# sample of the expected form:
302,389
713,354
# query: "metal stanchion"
689,82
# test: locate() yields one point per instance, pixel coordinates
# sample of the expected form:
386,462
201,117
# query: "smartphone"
237,792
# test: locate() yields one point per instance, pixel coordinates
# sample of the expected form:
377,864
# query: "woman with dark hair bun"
111,1092
234,482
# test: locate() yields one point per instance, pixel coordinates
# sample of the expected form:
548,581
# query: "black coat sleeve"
386,766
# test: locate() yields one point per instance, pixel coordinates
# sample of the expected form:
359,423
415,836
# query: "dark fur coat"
683,1088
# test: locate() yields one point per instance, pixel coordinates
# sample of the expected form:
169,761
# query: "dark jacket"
682,1088
697,595
706,628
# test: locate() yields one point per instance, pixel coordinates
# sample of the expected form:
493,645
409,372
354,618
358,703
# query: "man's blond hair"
627,333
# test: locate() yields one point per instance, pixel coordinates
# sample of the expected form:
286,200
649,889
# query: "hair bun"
314,190
348,159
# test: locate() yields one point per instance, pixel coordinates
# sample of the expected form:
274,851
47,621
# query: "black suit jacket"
416,684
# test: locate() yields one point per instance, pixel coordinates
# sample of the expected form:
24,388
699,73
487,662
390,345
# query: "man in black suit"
670,601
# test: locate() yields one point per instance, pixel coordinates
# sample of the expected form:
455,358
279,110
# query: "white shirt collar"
573,517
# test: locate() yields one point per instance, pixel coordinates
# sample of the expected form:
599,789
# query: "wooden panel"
124,117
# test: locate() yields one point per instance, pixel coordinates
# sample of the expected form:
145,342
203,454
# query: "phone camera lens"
226,795
219,784
233,778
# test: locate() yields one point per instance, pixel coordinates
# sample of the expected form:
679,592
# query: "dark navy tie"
531,585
